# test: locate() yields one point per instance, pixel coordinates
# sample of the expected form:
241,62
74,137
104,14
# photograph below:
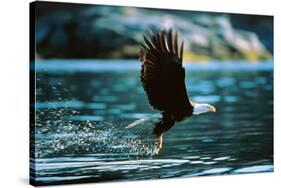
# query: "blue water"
83,107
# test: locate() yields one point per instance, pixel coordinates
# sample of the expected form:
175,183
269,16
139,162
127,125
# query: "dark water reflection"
81,115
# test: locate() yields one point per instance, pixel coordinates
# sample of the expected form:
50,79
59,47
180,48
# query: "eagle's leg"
158,143
164,125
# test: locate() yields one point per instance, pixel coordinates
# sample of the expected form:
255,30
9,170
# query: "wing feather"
163,76
181,51
175,43
170,41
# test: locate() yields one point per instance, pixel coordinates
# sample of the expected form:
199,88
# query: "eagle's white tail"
152,119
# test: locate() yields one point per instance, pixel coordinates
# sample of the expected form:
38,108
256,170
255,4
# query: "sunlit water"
83,107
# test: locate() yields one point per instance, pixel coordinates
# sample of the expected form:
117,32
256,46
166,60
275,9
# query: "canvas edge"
32,170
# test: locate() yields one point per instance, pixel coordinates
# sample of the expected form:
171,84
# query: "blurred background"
81,31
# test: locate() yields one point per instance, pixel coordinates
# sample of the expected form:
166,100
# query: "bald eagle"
163,79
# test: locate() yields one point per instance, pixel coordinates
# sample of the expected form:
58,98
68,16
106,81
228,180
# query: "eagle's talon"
158,144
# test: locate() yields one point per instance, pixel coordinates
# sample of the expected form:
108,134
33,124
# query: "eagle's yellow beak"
212,109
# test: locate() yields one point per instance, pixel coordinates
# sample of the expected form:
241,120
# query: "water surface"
83,107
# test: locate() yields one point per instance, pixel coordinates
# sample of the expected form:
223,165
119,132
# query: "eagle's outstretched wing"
162,74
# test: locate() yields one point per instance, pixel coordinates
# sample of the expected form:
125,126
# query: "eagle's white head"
202,108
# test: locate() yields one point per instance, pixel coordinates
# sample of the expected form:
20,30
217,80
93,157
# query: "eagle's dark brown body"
163,78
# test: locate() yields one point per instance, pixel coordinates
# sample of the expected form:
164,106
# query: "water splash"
61,129
64,134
